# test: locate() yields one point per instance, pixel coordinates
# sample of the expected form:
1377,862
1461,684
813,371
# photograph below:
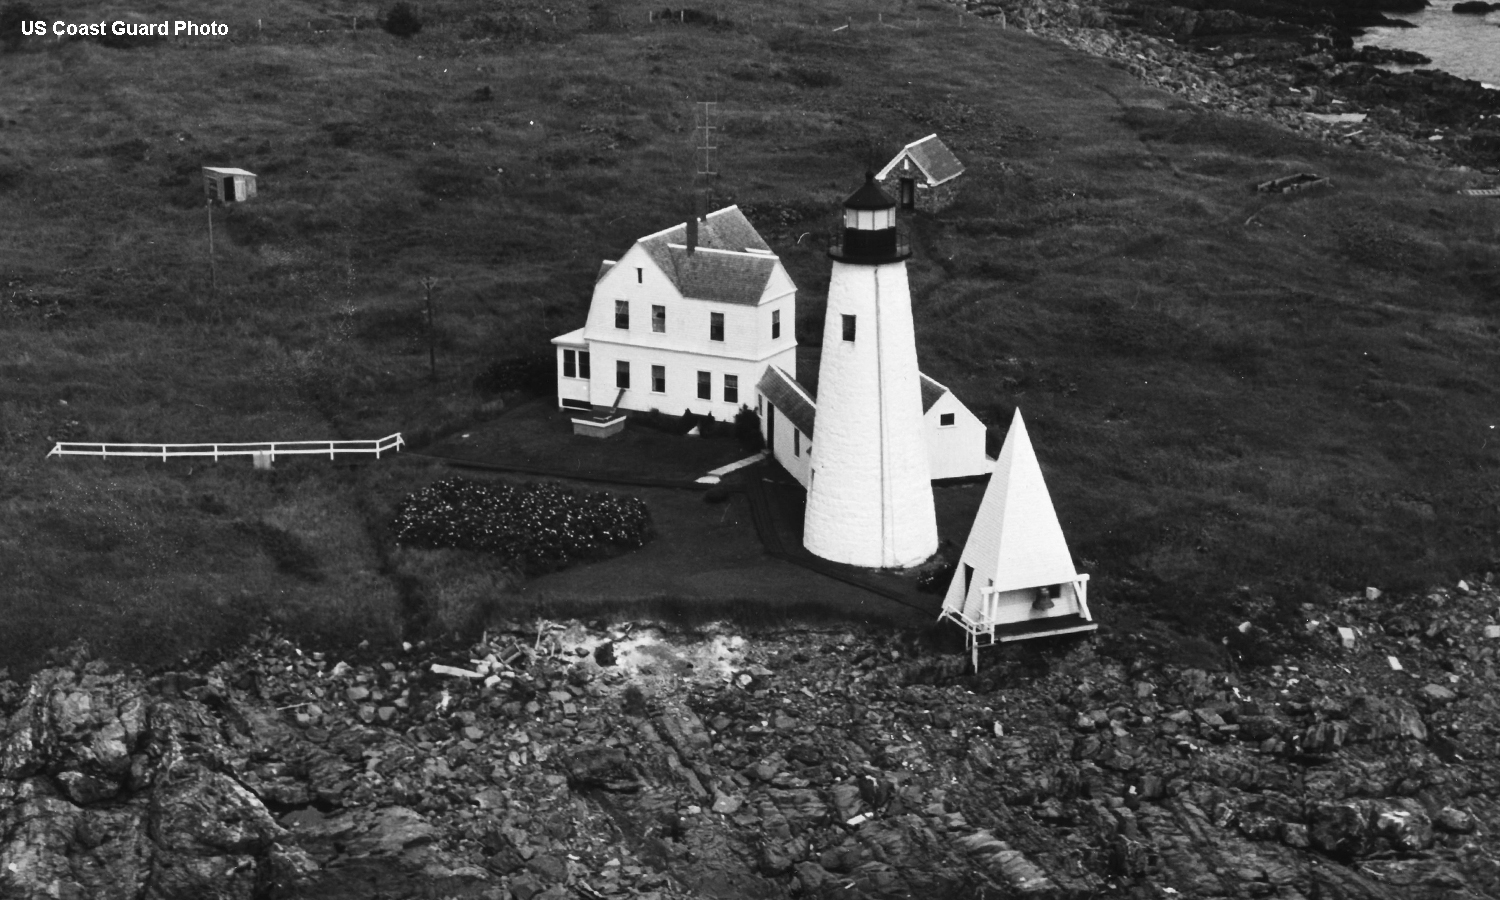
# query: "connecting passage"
267,450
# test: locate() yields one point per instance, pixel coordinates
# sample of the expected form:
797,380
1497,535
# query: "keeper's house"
954,436
687,320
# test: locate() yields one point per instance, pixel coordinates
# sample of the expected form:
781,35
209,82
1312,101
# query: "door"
908,193
771,428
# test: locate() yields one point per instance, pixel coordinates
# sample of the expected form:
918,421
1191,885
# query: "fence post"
330,451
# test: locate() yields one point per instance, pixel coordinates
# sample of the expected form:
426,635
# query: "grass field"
1225,390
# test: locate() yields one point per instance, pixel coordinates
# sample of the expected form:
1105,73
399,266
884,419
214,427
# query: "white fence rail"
271,449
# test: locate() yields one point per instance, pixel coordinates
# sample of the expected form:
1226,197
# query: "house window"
583,364
622,373
705,386
716,326
659,379
639,276
796,442
658,319
622,314
848,328
570,363
731,388
945,420
775,324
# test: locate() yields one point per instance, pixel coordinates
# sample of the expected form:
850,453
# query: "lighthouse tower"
869,501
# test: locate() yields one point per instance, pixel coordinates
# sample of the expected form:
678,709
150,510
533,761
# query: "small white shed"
955,436
228,185
1015,578
787,415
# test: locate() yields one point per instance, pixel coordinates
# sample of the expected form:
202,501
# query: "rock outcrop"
805,764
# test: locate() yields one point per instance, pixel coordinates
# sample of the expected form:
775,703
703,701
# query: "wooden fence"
271,449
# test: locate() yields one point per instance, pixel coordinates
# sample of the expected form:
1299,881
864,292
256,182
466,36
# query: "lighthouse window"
775,324
659,319
705,386
945,420
848,328
716,326
659,379
622,314
731,388
622,373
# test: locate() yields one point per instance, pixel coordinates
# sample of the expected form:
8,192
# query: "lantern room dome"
869,196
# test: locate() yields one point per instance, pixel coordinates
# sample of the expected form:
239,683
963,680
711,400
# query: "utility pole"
213,269
427,286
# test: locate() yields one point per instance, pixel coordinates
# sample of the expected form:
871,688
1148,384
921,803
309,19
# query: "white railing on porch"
272,449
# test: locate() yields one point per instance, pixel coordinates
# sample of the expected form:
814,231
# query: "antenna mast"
705,149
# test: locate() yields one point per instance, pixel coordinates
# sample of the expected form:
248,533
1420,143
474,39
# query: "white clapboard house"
1016,578
687,320
954,436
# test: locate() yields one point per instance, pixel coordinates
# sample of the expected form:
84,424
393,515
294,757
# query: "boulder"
1339,829
601,767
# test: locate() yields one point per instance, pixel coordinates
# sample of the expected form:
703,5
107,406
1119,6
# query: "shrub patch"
539,527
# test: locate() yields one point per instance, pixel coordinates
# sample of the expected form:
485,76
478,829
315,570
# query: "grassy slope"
1225,389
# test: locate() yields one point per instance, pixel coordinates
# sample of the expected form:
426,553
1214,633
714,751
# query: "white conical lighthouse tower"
869,502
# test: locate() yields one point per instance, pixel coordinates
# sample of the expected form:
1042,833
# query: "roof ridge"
794,383
681,224
749,254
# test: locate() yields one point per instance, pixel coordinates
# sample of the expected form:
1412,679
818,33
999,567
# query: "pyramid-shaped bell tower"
1015,578
869,498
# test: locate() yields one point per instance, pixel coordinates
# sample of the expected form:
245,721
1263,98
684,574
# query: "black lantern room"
869,233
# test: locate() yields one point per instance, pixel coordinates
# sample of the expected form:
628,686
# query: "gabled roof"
1016,538
604,268
790,397
218,171
932,156
932,392
732,263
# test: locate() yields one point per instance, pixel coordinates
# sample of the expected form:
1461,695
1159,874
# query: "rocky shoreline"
1296,72
608,762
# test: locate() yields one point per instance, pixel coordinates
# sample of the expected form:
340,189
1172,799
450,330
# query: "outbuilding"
923,175
955,436
228,185
1015,578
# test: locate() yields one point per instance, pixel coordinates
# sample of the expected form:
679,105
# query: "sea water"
1464,45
